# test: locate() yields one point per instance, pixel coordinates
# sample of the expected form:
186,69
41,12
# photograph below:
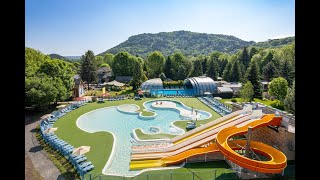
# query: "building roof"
152,84
225,90
201,84
264,82
123,78
232,85
115,83
106,75
103,70
77,79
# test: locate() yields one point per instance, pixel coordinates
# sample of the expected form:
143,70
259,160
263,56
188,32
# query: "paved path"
38,156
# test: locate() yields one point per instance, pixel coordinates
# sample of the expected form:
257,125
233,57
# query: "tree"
266,59
269,71
155,63
290,100
33,60
168,68
123,64
212,70
222,65
235,73
41,90
245,58
204,65
137,78
287,71
252,75
180,66
104,65
98,60
196,69
252,52
246,91
88,71
61,71
226,72
108,58
278,88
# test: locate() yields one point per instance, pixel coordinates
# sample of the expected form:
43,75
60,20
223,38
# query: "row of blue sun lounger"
214,107
177,96
79,162
217,103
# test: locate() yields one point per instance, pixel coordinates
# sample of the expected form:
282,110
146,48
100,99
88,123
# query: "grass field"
101,142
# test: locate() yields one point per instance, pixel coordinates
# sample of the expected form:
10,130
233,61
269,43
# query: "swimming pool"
121,125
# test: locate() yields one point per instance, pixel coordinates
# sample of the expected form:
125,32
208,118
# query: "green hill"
189,43
275,42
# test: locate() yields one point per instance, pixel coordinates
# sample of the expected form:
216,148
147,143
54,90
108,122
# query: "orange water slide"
278,160
141,164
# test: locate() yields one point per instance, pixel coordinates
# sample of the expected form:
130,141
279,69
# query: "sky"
71,27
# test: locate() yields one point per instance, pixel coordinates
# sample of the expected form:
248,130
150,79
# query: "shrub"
277,104
234,100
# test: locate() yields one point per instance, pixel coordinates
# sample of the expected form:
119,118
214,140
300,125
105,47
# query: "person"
156,102
160,102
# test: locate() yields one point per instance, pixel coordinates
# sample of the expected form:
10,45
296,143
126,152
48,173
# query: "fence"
225,174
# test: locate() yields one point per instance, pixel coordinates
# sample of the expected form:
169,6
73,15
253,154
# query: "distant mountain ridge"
189,43
65,58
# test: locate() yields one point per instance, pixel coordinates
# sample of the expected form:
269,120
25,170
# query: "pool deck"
169,104
166,104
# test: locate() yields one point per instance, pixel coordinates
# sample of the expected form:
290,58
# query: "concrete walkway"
38,156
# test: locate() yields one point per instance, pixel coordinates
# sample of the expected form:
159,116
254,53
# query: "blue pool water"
122,124
186,92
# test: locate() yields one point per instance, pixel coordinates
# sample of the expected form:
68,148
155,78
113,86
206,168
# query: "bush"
234,100
277,104
173,83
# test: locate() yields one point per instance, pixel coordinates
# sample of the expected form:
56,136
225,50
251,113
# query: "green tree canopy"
245,58
196,69
235,73
88,69
168,68
287,71
155,62
290,100
278,88
252,75
252,52
212,70
105,65
138,75
269,71
123,64
108,58
246,91
98,60
227,72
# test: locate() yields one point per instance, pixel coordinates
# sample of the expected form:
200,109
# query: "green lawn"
192,171
101,142
144,136
266,102
147,113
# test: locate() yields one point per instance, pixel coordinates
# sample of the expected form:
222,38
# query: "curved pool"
121,124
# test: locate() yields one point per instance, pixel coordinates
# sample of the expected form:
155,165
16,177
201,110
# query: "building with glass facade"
152,84
200,85
193,86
